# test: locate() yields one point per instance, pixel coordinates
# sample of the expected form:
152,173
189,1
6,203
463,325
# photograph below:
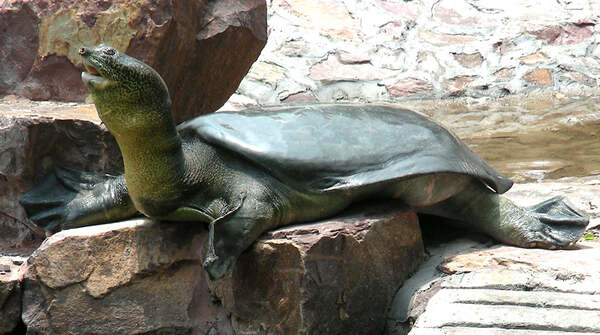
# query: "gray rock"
511,310
502,290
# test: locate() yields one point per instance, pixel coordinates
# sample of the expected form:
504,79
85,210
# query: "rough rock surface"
468,288
336,276
393,50
201,48
129,277
10,293
140,276
35,136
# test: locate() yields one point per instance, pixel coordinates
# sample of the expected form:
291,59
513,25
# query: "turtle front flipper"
69,198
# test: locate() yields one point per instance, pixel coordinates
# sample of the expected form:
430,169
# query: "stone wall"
393,50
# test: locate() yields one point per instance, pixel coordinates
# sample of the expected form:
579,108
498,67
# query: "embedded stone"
562,34
405,10
579,78
469,60
332,70
504,73
329,17
451,16
409,86
541,77
441,39
352,58
266,72
537,57
458,84
300,97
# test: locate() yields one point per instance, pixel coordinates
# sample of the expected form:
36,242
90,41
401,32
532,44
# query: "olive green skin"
175,176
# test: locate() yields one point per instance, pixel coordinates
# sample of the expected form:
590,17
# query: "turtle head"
127,93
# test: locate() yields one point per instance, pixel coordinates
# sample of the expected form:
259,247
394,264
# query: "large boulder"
34,137
201,48
139,276
336,276
131,277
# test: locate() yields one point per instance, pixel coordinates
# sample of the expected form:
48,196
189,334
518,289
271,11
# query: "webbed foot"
60,200
551,224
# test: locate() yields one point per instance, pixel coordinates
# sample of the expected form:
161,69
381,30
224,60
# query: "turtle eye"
109,51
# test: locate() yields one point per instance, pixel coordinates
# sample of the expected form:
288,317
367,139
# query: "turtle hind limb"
48,203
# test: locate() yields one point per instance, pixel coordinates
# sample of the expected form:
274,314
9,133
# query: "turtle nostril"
83,51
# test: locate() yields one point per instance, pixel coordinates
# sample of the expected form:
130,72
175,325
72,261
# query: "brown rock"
562,34
542,77
10,293
267,72
129,277
337,276
300,97
504,73
397,30
409,86
332,70
35,137
184,41
329,17
352,58
469,60
404,10
579,77
534,58
585,259
451,16
458,84
441,39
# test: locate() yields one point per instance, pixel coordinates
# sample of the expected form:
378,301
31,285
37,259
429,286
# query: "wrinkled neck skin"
152,155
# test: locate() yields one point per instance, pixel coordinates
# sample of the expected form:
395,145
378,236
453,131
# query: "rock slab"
130,277
139,276
337,276
507,290
201,48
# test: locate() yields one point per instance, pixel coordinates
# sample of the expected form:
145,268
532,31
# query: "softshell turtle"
247,172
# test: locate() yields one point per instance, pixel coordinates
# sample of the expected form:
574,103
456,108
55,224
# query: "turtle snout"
83,51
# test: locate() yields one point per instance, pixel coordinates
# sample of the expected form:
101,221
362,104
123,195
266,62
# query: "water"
533,138
543,154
